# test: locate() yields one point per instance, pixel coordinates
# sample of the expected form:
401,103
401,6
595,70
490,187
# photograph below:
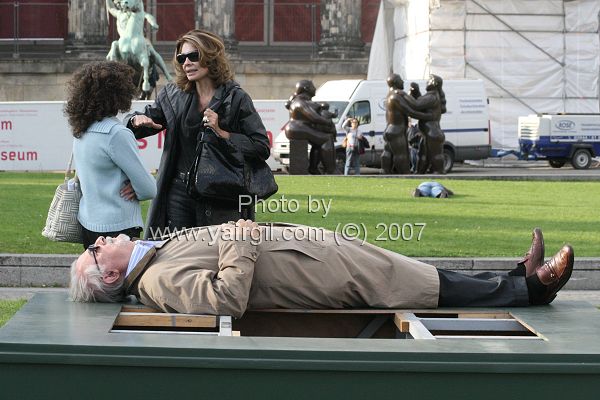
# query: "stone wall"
45,79
52,270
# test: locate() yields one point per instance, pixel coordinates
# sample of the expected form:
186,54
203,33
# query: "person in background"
112,176
204,95
432,189
415,139
353,136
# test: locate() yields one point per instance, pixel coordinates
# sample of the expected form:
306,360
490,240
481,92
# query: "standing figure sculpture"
395,158
311,121
132,46
432,104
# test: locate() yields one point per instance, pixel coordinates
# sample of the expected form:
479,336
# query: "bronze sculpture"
395,158
311,121
432,105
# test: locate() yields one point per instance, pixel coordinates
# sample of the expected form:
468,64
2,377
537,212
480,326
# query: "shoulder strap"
68,170
230,92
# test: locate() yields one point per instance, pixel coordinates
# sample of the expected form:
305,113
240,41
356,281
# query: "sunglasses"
92,248
193,56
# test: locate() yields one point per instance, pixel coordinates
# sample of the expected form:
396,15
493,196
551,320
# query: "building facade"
271,43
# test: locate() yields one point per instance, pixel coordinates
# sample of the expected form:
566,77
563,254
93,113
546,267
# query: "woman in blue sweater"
112,176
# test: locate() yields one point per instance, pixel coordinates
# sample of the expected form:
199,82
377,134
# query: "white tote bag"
62,224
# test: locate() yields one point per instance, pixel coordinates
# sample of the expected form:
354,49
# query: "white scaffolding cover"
535,56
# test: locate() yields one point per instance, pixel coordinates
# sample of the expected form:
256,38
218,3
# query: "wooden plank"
415,327
529,327
165,320
137,332
138,308
402,325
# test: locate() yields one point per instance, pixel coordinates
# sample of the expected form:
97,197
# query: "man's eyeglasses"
92,248
193,56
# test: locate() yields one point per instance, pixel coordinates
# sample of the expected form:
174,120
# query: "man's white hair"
87,285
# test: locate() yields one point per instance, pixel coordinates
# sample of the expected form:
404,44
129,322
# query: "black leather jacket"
237,115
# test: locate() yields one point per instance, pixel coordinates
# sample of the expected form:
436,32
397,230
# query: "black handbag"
363,145
260,181
219,172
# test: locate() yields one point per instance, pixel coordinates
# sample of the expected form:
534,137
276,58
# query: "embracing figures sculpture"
132,46
395,158
428,109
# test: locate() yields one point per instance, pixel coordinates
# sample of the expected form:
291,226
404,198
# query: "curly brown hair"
98,90
212,56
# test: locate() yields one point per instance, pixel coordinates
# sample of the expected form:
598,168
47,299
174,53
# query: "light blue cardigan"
105,157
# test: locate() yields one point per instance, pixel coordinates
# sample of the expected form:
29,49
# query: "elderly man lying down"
234,267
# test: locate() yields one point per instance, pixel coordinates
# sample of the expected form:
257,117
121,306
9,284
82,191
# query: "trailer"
560,138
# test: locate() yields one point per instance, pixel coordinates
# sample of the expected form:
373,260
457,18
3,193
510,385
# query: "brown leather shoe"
535,255
555,273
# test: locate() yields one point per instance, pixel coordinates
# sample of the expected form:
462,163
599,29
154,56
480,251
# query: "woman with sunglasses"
112,176
204,94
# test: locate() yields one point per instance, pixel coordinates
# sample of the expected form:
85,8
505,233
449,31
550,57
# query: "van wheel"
448,160
581,159
554,163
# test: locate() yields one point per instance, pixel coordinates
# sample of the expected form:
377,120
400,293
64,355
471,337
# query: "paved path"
505,169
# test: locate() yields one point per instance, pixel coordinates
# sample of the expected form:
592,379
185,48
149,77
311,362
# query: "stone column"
218,16
340,29
88,26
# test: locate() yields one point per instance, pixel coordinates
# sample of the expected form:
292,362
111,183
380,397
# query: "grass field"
484,218
8,308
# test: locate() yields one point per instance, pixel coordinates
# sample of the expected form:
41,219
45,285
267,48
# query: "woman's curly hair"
98,90
212,56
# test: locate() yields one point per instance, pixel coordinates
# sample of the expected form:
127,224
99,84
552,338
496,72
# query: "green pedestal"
57,349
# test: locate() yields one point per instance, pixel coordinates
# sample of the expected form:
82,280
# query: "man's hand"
242,230
248,227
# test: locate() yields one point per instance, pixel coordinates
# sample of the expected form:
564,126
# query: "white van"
465,124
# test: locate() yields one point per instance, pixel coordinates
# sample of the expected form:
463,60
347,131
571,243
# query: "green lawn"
484,218
8,308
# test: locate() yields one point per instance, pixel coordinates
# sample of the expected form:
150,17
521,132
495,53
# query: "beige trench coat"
207,271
